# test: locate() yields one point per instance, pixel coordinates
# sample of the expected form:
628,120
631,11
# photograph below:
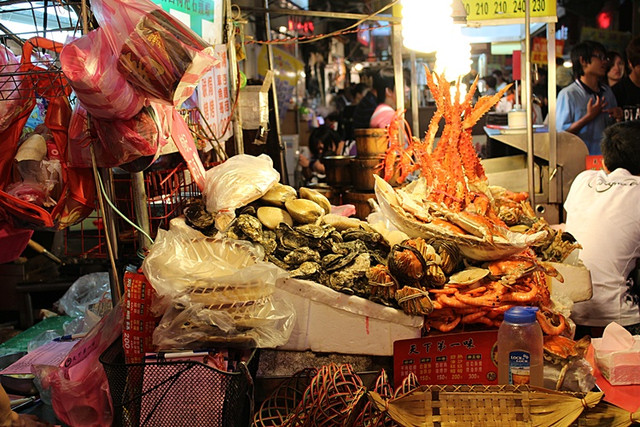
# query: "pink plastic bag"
117,142
13,100
90,65
156,52
79,388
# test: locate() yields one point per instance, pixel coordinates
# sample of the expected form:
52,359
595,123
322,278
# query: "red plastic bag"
13,98
156,52
77,194
90,65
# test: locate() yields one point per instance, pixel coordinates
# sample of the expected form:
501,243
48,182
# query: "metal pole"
554,181
527,86
274,93
415,116
323,14
396,54
233,71
140,208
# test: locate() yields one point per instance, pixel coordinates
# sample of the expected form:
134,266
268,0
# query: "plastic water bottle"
520,348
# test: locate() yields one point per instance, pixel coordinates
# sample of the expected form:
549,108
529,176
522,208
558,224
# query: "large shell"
315,196
304,211
271,217
469,276
279,194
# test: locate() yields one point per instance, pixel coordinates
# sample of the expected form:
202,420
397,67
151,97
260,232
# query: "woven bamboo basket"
485,406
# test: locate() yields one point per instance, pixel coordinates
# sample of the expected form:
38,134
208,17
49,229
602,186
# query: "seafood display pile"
456,219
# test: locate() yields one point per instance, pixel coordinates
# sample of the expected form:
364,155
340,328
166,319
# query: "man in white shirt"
603,214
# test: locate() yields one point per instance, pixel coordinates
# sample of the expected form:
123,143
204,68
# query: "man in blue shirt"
586,106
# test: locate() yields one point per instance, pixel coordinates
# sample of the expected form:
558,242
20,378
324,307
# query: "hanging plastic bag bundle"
90,65
13,99
156,52
76,195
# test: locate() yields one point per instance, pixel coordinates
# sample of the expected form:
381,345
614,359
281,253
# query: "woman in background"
323,142
615,68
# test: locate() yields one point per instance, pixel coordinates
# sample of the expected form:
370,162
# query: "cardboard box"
330,321
460,358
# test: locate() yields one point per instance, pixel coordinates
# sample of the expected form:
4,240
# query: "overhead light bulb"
282,29
423,23
453,58
358,67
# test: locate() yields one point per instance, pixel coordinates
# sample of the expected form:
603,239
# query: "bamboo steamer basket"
360,200
371,142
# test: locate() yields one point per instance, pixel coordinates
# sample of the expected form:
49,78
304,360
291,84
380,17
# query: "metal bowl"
22,385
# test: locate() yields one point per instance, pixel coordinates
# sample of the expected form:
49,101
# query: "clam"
304,211
271,217
315,196
279,194
469,276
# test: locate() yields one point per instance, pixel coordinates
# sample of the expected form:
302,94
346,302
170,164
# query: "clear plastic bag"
266,324
88,289
237,182
183,258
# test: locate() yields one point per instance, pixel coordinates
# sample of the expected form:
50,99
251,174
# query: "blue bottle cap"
521,315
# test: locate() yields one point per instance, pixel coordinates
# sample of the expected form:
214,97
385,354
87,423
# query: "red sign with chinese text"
460,358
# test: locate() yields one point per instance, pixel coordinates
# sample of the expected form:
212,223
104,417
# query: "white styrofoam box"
330,321
619,367
577,282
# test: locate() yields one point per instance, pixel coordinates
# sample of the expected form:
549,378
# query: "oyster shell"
250,226
307,270
197,216
289,238
311,230
315,196
300,255
333,262
304,211
271,217
278,195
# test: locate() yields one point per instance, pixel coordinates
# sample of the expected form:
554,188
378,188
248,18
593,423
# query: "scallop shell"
304,211
279,194
469,276
315,196
270,217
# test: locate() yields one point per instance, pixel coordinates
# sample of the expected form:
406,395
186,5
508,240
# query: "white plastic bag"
237,182
88,289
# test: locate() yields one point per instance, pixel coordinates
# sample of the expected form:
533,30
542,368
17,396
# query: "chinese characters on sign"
214,100
462,358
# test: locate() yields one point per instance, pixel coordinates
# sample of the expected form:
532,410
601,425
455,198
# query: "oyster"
315,196
290,239
307,270
300,255
250,226
304,211
277,262
197,216
311,230
372,239
278,195
271,217
333,262
268,241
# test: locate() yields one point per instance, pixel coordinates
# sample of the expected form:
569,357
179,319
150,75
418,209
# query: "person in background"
323,142
627,90
603,214
490,82
500,81
587,106
364,97
615,68
386,91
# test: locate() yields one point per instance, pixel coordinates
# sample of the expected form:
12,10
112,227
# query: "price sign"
484,10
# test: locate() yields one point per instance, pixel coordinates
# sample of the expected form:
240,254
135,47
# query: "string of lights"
314,37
